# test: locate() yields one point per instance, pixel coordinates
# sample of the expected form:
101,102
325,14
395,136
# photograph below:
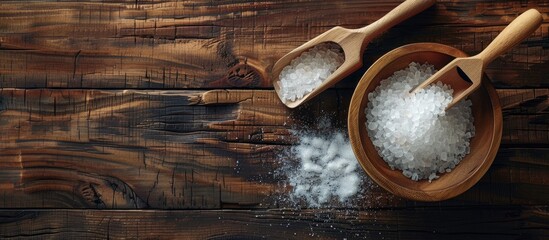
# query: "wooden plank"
482,222
204,150
130,149
221,44
526,116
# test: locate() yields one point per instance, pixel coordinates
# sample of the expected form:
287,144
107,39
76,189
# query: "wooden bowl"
484,145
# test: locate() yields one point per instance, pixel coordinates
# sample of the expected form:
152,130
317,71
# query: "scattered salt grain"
309,70
327,169
413,132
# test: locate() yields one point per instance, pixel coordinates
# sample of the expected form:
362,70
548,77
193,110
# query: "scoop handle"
519,29
400,13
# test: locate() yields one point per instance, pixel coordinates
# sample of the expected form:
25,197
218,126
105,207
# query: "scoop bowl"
484,145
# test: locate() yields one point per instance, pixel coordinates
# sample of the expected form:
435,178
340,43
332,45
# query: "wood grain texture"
212,149
212,44
174,152
162,112
412,223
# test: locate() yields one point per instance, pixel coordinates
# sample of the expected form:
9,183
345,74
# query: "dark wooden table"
157,119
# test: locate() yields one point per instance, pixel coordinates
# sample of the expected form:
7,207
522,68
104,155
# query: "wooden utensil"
484,145
352,41
464,75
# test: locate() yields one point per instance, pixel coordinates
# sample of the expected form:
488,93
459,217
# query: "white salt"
327,169
413,132
309,70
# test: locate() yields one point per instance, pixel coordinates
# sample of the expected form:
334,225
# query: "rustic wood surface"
163,113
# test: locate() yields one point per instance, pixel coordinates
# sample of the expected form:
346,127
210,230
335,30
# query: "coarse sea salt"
413,132
309,70
326,169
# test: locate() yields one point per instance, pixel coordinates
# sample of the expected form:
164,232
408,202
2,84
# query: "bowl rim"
382,180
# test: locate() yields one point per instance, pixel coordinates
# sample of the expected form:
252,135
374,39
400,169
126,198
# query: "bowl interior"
487,121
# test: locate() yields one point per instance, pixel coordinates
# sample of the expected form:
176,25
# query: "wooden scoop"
464,75
352,41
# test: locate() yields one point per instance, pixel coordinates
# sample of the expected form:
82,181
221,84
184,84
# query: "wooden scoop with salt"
352,41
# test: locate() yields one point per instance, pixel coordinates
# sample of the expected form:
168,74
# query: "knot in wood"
244,75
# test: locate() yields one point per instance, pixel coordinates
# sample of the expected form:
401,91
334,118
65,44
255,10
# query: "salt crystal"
443,156
348,186
311,167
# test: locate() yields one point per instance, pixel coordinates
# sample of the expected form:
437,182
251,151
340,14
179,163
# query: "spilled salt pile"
413,132
327,170
309,70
